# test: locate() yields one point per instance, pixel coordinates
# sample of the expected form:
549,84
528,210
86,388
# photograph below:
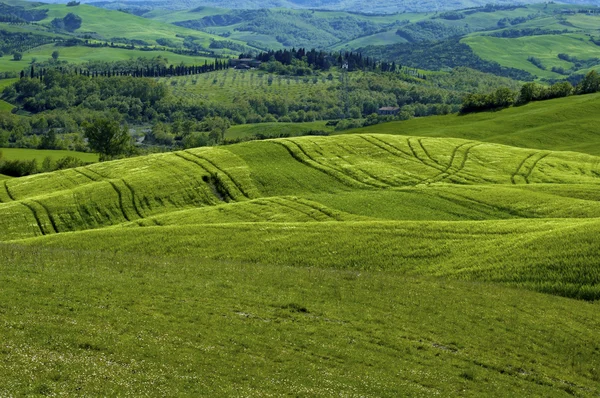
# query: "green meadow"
108,24
439,256
567,124
40,154
514,52
81,54
358,264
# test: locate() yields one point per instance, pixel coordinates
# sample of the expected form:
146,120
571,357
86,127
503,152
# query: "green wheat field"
361,264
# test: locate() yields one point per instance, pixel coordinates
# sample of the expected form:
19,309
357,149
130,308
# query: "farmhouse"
388,110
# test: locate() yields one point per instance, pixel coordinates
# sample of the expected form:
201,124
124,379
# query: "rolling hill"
449,255
340,252
566,124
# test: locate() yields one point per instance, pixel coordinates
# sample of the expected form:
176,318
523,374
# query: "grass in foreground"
108,323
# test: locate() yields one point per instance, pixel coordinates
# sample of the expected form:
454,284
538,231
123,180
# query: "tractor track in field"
314,164
307,204
450,163
233,181
102,177
357,171
49,213
310,205
120,195
420,141
36,216
516,173
86,175
416,155
212,174
393,151
133,202
8,191
534,165
286,205
462,164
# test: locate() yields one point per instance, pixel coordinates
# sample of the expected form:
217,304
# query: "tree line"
108,71
529,92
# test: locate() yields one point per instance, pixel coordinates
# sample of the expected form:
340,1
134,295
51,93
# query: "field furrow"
133,201
121,200
5,195
429,156
41,216
518,172
234,168
419,153
86,173
539,157
297,152
223,188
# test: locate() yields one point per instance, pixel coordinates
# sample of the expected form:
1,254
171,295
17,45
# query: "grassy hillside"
40,154
515,52
340,179
80,54
200,327
387,265
109,24
562,124
275,129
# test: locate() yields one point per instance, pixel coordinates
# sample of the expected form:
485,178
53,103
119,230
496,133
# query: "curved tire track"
517,172
325,169
233,181
534,165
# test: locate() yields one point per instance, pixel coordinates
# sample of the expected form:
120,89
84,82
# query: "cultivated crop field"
368,264
230,85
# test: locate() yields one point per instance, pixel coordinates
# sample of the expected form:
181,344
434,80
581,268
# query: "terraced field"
384,264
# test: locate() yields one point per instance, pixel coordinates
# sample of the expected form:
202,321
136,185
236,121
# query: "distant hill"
378,6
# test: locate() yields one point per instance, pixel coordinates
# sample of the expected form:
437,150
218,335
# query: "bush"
18,168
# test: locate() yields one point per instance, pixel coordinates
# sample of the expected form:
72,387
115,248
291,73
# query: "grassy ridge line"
408,161
40,154
277,209
556,256
472,202
112,193
82,54
110,24
565,124
514,52
124,317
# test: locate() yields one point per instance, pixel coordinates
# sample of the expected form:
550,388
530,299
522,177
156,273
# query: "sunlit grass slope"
108,24
566,124
514,52
40,154
428,174
116,324
366,265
